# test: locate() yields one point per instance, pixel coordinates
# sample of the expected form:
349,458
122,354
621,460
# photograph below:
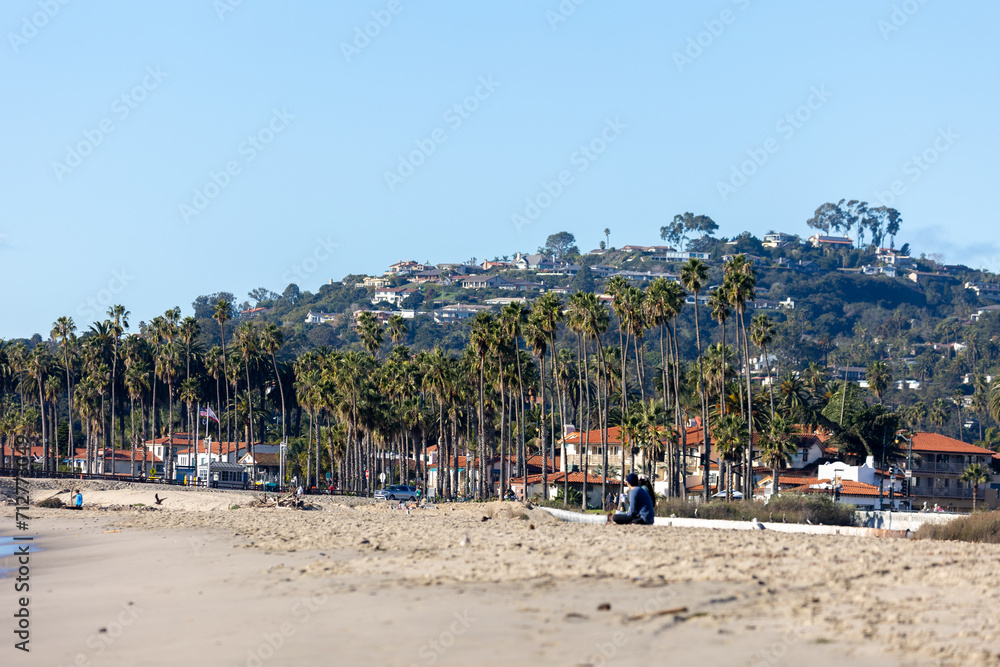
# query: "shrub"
787,508
54,502
979,527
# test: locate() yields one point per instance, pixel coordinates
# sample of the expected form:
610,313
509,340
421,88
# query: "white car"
397,492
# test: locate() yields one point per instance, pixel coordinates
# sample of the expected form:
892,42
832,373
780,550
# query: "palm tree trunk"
706,478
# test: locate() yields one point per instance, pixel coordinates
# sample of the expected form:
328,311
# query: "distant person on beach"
77,500
298,491
640,503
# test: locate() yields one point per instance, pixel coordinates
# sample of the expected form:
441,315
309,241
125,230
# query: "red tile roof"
557,478
937,443
849,488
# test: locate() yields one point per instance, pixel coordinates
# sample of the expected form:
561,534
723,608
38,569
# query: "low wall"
719,524
902,520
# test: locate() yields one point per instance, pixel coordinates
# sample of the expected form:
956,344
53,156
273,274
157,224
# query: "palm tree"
271,340
119,323
167,364
762,334
740,283
537,339
248,343
397,328
37,367
718,304
64,330
778,449
976,474
730,432
370,332
136,382
878,376
481,339
223,312
189,330
693,277
513,317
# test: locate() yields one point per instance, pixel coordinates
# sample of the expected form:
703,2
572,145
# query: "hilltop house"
392,295
532,262
482,282
319,318
985,290
779,240
457,312
820,241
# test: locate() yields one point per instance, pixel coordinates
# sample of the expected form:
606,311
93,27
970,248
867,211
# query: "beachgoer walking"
640,504
77,500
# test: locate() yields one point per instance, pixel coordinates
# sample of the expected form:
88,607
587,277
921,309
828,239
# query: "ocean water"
8,547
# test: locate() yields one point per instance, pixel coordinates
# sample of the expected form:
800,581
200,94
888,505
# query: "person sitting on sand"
640,504
77,500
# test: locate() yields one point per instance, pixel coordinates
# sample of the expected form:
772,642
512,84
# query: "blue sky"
156,151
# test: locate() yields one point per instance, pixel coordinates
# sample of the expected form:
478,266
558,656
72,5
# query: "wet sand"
197,583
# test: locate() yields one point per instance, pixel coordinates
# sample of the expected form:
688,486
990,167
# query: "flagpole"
197,432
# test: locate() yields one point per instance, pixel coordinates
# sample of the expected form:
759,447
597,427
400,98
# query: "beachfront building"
118,462
938,464
533,487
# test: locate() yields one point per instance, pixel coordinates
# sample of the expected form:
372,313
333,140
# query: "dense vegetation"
347,400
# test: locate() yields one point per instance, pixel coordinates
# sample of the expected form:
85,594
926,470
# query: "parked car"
397,492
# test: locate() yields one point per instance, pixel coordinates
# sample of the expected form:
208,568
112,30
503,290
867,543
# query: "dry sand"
196,583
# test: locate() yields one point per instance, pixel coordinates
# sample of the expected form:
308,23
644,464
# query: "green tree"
976,474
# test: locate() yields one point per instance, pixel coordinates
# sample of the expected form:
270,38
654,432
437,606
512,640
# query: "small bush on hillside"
979,527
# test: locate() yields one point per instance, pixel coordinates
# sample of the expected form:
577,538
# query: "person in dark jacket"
640,504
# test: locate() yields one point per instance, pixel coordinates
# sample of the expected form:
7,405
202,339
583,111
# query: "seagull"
757,525
159,500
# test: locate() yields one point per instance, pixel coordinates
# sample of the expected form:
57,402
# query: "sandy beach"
194,582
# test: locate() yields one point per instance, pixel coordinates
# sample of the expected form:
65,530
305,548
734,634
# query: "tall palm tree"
739,283
64,330
247,343
38,367
878,376
222,312
119,323
137,383
188,331
481,339
537,339
271,340
693,277
513,317
167,366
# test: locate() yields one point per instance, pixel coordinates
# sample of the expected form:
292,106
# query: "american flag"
208,414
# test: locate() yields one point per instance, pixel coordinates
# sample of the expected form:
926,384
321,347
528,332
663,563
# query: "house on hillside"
532,262
680,256
985,290
821,241
319,318
482,282
392,295
779,240
458,312
923,277
375,281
